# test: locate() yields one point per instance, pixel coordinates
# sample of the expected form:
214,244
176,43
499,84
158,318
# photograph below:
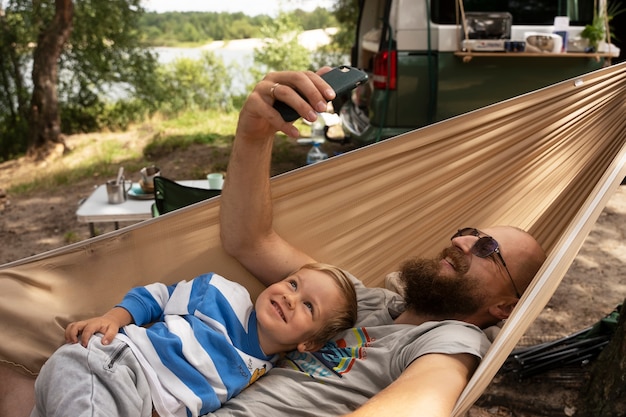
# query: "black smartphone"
341,79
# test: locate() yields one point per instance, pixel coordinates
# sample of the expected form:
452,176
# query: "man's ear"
309,346
503,309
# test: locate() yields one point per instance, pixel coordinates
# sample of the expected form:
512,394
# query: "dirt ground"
35,222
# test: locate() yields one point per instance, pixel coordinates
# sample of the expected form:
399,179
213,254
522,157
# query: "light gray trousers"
92,382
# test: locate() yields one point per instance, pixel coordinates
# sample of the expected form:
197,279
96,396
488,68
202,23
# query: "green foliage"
330,55
104,49
92,114
174,28
108,48
191,122
337,52
9,130
346,13
82,114
122,113
163,147
16,30
317,19
614,9
207,127
280,50
596,31
194,84
105,156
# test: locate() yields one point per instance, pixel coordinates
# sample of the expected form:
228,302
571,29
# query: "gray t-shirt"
359,363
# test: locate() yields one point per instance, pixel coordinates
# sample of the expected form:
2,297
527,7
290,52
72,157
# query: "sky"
249,7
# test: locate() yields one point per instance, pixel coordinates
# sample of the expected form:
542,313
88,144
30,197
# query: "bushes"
182,85
187,84
100,115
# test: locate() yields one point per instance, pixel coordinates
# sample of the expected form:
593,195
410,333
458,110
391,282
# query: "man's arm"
429,387
246,206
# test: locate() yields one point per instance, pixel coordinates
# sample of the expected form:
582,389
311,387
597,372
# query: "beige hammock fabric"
546,162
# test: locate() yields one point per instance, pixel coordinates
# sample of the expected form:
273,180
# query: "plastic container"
315,154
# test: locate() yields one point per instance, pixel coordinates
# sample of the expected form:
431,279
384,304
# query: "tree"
45,122
14,94
346,13
337,52
81,48
194,84
605,392
281,49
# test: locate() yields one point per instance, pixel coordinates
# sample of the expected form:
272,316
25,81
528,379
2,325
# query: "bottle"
315,154
317,130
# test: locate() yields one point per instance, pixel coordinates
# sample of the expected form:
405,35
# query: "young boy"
206,343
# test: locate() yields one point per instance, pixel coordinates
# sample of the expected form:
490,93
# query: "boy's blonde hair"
346,313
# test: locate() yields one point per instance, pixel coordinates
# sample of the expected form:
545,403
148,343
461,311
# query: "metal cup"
117,193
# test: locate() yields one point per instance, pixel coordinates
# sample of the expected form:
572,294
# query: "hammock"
547,162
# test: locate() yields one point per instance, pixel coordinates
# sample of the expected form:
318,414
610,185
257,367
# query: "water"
238,55
229,56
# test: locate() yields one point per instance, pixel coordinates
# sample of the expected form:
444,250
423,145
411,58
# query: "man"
396,361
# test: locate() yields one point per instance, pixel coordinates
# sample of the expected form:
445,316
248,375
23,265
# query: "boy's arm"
108,324
429,387
246,206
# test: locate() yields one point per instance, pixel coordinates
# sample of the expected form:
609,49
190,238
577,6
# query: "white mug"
147,177
216,180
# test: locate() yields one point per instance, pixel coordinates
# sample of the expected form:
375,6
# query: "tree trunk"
605,393
45,120
11,73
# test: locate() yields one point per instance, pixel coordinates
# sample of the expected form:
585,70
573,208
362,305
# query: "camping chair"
575,349
170,195
546,162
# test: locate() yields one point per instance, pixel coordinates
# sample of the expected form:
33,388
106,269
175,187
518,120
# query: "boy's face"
291,311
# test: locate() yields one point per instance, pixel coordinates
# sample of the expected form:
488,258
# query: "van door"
395,46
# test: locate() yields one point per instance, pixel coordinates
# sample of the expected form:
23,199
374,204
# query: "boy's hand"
108,324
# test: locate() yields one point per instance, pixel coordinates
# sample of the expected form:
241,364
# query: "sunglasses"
485,246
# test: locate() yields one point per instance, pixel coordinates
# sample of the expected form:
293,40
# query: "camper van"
429,60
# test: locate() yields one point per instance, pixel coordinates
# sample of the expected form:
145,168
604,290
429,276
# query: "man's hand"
109,325
259,119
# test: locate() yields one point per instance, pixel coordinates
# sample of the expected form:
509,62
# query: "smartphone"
341,79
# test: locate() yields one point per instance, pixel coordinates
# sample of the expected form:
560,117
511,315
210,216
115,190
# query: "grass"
99,154
193,127
98,160
190,122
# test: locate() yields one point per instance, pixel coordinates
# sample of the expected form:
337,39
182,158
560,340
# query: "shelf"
467,56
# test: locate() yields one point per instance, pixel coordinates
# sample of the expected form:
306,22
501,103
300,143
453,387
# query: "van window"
531,12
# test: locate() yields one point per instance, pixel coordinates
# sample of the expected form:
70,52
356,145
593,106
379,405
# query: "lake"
238,55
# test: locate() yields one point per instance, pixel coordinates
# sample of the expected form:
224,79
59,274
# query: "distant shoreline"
310,39
238,53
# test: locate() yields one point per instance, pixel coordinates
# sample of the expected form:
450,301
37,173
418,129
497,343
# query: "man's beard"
443,297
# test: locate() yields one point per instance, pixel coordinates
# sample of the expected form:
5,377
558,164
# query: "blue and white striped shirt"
203,347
